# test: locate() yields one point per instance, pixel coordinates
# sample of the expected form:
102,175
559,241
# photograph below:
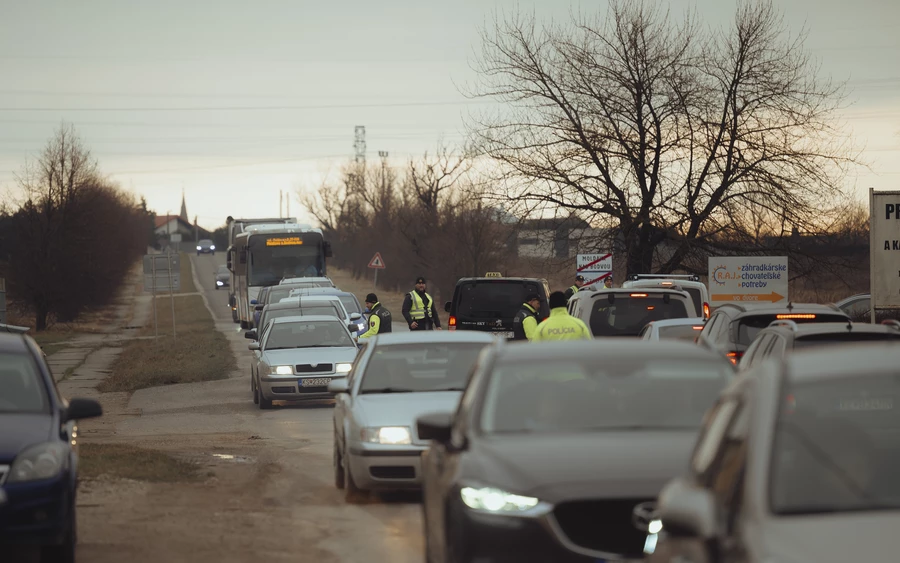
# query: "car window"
680,332
777,347
350,304
21,385
750,325
307,334
711,326
697,298
813,340
627,314
717,421
398,368
492,299
858,308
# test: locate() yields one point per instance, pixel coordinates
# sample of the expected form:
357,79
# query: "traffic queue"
601,423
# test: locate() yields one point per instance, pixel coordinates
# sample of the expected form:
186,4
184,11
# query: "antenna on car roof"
849,325
790,306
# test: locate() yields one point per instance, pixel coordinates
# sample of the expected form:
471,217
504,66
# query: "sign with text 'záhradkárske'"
884,249
746,280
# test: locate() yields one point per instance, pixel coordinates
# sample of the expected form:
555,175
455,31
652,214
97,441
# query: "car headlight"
212,247
391,435
496,501
652,539
198,248
343,368
219,282
281,370
42,461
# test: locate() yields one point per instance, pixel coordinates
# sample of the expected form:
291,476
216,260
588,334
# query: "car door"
343,402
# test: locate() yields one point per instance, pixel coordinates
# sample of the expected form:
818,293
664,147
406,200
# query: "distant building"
557,238
167,225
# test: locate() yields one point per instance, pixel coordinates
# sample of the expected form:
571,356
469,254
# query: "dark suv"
783,337
732,328
490,303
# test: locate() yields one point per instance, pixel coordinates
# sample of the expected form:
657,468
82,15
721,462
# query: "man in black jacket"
419,309
526,320
579,282
379,320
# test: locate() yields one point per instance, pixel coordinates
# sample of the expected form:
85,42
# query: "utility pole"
287,203
383,155
359,144
280,201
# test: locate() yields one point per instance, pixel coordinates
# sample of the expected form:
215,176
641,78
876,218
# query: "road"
272,496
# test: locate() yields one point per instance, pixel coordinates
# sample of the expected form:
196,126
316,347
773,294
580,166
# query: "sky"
234,102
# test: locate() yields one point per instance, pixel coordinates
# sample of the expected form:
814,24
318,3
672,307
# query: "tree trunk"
40,318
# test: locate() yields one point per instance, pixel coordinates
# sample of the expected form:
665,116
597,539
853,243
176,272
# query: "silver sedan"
397,378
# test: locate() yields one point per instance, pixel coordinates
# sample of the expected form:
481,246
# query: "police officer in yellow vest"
560,325
579,282
380,318
419,309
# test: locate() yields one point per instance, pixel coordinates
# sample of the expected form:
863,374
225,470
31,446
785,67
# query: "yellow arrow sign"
748,297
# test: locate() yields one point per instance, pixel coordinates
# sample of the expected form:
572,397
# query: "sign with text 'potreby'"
746,280
884,249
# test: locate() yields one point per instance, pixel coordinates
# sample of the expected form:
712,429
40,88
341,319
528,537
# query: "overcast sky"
145,83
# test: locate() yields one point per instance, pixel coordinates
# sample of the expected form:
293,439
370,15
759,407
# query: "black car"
558,450
38,451
491,303
206,246
223,277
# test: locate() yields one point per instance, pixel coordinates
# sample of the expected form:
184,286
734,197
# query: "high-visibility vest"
419,310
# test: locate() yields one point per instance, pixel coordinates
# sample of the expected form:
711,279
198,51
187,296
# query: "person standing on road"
526,320
579,282
560,325
379,319
419,310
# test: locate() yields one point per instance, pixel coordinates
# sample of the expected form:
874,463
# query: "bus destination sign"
284,241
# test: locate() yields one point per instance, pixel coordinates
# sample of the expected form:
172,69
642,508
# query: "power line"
253,108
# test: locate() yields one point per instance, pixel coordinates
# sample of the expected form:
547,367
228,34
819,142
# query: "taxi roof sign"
493,275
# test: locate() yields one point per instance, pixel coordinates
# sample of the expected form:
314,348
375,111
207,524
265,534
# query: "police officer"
379,320
419,309
526,320
560,325
579,282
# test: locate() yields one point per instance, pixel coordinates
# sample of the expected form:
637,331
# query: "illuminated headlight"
219,283
343,368
212,247
496,501
390,435
43,461
281,370
652,539
198,248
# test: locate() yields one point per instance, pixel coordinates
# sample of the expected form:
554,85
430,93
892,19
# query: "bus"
235,227
265,254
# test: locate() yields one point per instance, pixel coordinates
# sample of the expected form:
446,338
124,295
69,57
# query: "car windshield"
749,326
813,340
493,299
307,334
205,242
627,315
557,395
836,445
419,367
680,332
222,271
21,387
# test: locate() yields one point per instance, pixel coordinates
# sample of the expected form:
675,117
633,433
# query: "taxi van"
491,302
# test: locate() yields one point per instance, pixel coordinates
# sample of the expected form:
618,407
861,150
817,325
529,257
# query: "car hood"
852,536
309,356
20,431
402,409
223,277
560,466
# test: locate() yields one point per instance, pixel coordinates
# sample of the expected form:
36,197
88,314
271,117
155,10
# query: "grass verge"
198,352
128,462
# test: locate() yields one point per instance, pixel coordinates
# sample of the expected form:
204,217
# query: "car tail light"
452,322
795,316
706,310
735,357
638,295
698,327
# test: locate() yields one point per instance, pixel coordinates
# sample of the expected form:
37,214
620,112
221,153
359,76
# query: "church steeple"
184,214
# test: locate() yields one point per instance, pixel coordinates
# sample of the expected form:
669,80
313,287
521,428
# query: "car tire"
264,404
339,476
65,551
244,325
352,493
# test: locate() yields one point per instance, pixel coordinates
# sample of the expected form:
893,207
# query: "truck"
264,254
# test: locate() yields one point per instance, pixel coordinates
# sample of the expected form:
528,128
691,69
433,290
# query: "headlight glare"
212,247
343,368
496,501
390,435
42,461
198,248
281,370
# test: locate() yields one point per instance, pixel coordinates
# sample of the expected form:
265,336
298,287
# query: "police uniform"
526,321
575,288
419,308
560,325
379,320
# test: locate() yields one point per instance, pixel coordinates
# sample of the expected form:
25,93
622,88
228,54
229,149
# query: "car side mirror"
355,316
80,409
353,328
339,385
447,306
435,426
254,346
250,334
687,510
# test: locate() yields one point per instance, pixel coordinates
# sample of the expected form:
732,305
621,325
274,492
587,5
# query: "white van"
689,283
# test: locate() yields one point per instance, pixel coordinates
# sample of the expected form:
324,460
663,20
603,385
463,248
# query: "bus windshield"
274,257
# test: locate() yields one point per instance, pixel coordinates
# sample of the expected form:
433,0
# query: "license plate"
858,404
508,334
317,382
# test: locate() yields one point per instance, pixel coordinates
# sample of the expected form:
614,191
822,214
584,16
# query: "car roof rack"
689,277
784,322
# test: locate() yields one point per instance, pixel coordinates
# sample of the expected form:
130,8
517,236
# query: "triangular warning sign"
377,262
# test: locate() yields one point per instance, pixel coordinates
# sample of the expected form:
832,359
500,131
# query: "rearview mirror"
687,510
435,426
80,409
338,386
251,334
254,346
447,307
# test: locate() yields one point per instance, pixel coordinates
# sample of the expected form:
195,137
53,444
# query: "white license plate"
317,382
509,334
858,404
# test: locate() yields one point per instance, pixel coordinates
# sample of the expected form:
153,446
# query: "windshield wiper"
387,390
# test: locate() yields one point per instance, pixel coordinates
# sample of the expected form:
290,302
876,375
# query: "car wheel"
244,325
64,552
264,404
352,492
339,476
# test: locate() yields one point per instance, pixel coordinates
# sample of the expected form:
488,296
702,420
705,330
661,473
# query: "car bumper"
386,468
37,512
290,389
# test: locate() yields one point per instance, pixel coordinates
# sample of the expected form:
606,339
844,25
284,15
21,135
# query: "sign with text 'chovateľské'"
884,249
759,280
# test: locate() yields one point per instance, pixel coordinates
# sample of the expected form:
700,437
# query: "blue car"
38,451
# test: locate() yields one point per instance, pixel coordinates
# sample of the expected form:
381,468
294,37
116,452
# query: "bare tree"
660,130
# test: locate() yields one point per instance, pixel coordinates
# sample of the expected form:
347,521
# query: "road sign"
884,250
377,262
594,267
748,279
175,237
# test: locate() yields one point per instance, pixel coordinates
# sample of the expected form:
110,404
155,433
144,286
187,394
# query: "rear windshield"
697,298
325,309
749,327
493,299
682,332
627,315
837,338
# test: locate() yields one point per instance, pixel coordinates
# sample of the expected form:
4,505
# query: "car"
299,356
308,282
490,303
349,300
304,300
206,246
299,307
38,450
858,307
684,329
625,312
556,450
798,461
274,294
732,327
397,377
785,336
689,283
223,276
